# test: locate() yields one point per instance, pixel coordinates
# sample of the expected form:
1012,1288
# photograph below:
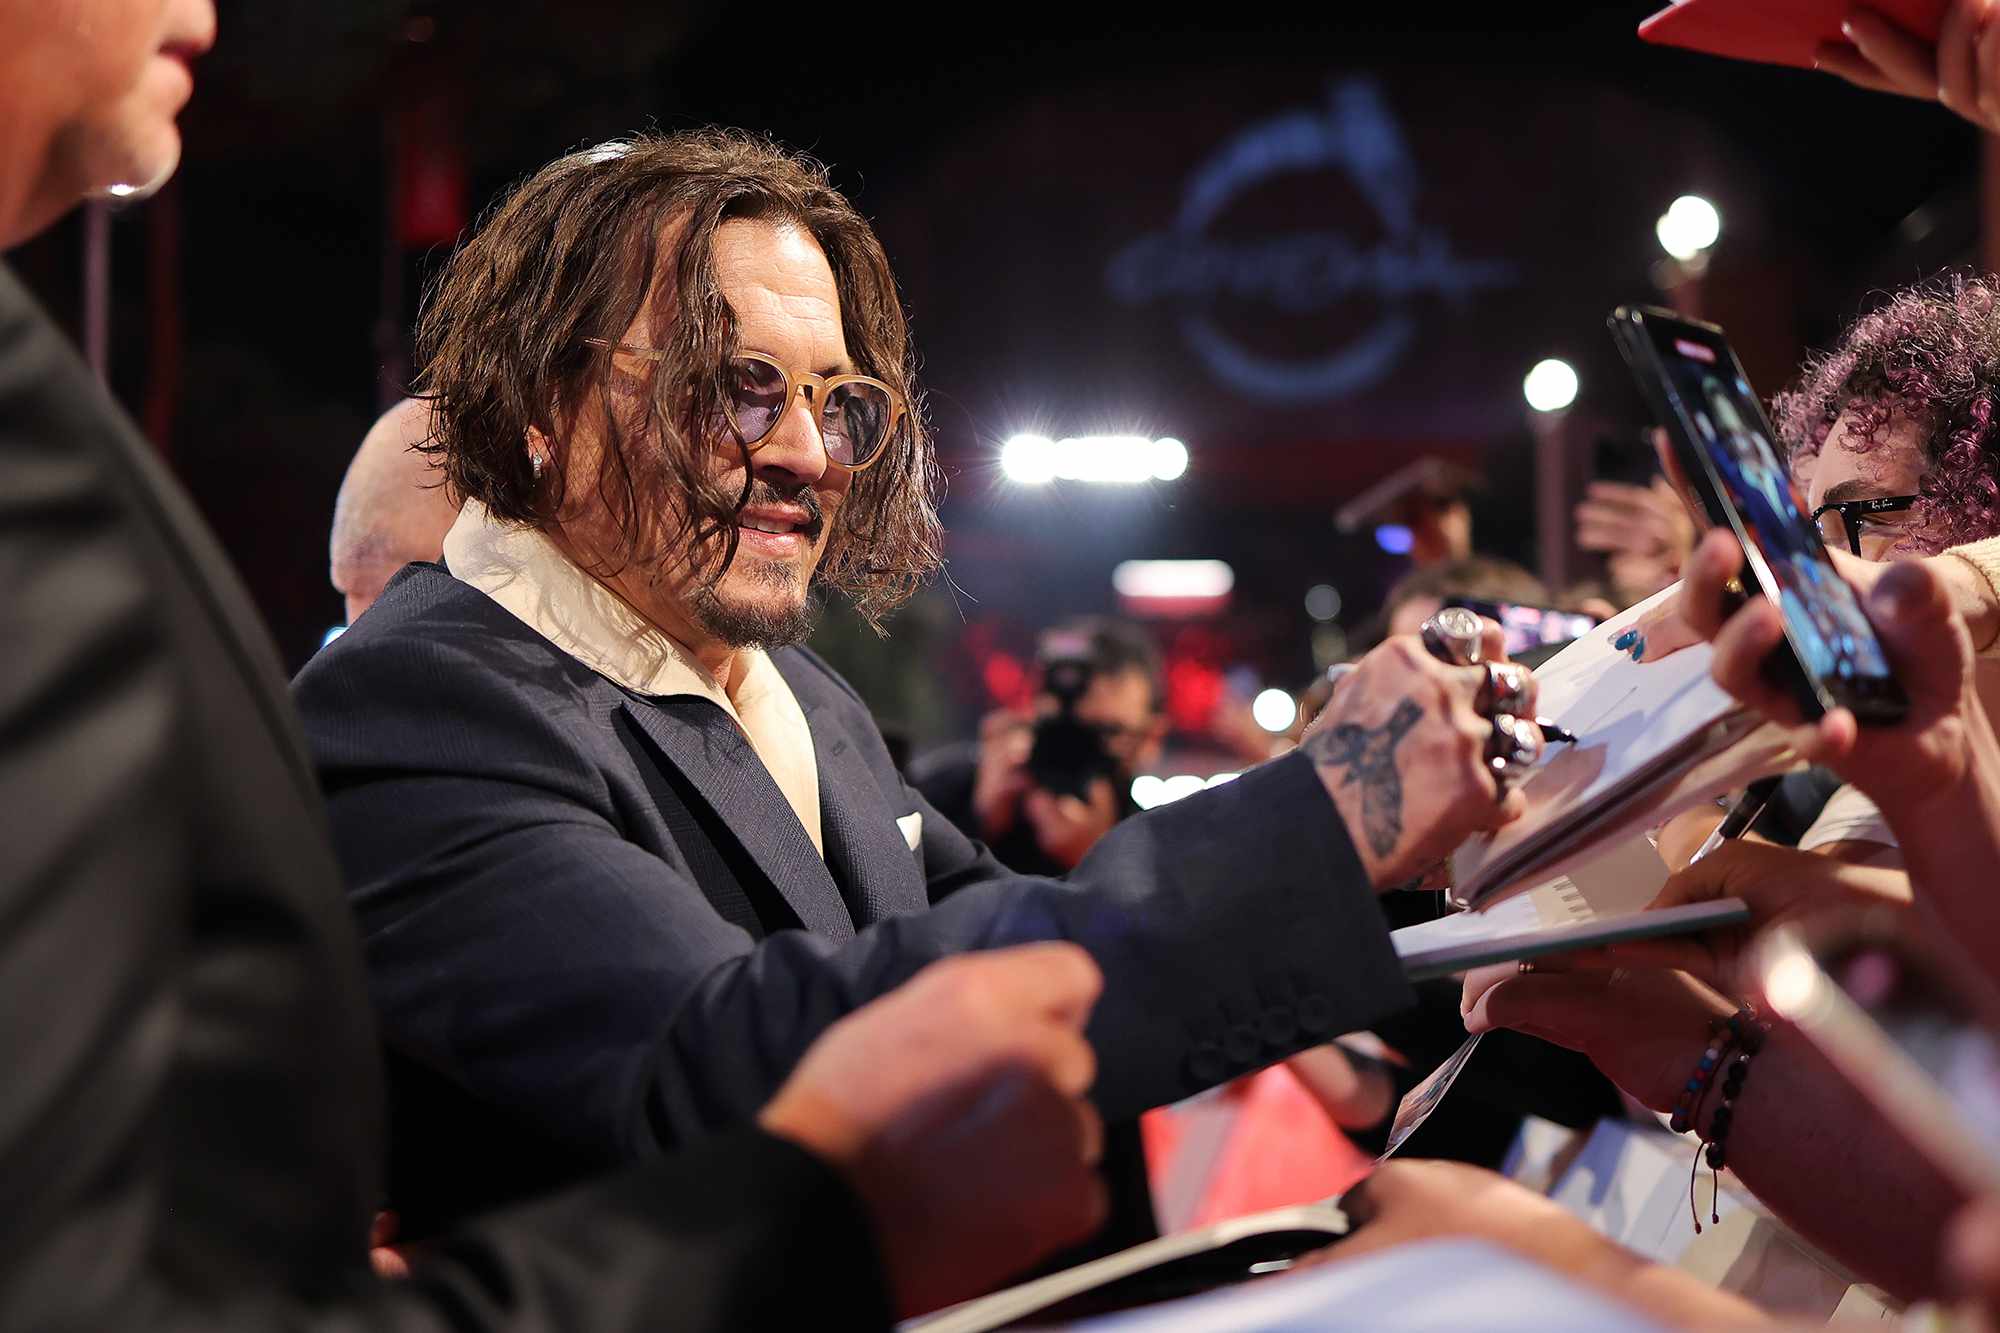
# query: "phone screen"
1526,627
1718,414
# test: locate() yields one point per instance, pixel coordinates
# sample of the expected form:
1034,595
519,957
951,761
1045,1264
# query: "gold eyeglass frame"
820,386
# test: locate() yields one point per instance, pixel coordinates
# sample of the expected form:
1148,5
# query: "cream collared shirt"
528,574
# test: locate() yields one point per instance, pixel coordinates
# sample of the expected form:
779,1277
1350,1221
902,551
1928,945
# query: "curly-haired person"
1900,423
1894,436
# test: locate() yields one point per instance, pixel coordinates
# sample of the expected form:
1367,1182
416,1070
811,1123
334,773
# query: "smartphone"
1723,442
1907,1025
1526,626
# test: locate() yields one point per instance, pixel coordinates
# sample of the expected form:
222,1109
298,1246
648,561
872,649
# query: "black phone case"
1783,668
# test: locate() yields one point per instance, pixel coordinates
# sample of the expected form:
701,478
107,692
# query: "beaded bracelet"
1732,1044
1720,1042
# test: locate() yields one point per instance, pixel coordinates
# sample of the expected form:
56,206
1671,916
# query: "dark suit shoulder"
428,622
437,675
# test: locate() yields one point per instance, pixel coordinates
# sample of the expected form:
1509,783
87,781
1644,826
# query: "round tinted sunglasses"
857,414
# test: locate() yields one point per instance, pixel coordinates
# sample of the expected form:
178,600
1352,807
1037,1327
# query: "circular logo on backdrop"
1301,273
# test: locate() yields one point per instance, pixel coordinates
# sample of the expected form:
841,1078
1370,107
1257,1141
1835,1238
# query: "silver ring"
1514,746
1505,690
1455,635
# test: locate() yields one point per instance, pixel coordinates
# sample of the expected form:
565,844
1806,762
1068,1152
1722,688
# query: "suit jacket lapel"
705,745
878,873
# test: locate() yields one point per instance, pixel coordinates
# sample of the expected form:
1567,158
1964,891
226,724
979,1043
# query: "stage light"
1110,460
1146,791
1550,386
1689,226
1173,580
332,634
1395,538
1274,710
1029,460
1323,601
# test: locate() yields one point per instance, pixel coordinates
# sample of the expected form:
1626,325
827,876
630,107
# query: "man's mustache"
763,492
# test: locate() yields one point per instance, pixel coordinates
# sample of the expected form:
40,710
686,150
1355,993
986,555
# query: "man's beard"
757,626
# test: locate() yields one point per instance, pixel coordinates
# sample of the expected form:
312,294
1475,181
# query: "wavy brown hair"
575,253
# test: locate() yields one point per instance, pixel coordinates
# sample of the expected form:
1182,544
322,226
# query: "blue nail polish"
1639,649
1625,640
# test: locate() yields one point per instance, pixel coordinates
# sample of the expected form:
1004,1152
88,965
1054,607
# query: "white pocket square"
912,826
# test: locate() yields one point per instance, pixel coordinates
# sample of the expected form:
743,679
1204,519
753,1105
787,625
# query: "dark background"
1009,157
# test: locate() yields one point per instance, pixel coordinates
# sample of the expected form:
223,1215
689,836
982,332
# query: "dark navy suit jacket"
595,928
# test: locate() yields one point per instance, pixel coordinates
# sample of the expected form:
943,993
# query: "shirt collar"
525,572
528,574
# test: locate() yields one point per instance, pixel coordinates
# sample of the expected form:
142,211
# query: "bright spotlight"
1273,710
1029,460
1550,386
1689,226
1109,460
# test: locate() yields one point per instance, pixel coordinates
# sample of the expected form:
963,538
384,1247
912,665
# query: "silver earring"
535,465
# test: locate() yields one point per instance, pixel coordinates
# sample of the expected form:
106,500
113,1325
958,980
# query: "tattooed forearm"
1368,755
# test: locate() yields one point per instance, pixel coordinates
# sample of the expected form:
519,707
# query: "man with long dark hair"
621,849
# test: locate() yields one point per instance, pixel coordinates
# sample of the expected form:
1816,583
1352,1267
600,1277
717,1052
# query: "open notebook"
1657,737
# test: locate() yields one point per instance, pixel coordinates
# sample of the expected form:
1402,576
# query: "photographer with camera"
1041,787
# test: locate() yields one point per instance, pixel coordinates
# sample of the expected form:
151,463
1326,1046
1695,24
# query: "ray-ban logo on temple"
1194,267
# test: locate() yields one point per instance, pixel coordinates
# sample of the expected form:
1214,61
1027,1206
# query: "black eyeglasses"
1840,523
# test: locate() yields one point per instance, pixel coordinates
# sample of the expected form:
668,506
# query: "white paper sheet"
1658,736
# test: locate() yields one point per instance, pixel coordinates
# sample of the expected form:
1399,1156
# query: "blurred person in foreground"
392,509
621,849
191,1120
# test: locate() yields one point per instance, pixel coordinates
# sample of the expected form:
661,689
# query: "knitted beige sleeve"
1985,558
